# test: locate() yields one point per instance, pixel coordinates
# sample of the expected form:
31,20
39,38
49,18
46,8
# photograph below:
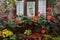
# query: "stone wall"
57,9
9,14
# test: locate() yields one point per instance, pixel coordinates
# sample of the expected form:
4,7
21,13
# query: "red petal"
13,17
17,21
49,17
49,8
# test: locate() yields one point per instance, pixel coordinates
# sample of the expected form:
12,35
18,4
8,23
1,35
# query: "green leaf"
5,38
13,37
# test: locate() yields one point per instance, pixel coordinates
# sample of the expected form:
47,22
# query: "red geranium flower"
17,21
43,31
13,17
5,17
49,17
35,19
49,8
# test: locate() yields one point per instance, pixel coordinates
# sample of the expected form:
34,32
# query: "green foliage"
56,38
13,37
52,3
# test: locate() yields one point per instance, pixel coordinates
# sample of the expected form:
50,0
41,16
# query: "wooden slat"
36,6
25,7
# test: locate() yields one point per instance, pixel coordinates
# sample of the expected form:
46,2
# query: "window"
20,7
31,9
42,6
28,7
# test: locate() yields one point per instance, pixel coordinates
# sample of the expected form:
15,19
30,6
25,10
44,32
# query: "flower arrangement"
27,28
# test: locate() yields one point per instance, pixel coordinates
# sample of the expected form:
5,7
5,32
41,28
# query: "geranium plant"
38,25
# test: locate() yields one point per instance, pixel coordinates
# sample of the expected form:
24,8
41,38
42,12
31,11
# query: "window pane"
20,7
42,6
31,9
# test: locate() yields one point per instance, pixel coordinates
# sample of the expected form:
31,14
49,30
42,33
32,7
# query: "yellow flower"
27,32
10,33
6,33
